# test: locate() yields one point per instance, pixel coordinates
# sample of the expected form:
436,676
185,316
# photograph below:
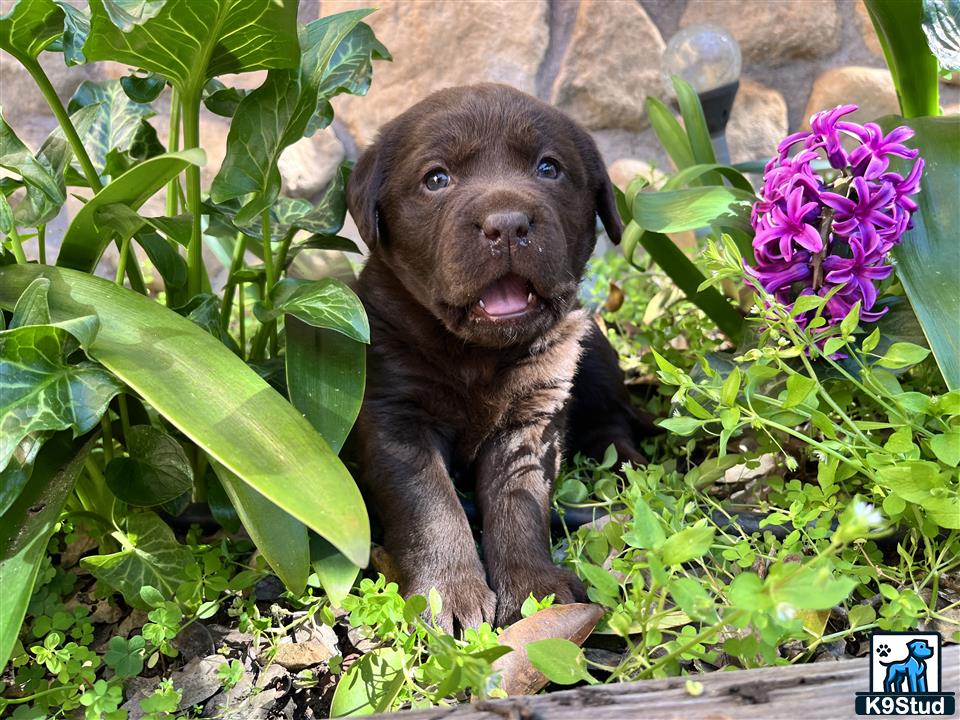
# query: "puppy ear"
599,180
363,194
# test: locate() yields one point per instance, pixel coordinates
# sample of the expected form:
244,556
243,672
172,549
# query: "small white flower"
867,514
785,611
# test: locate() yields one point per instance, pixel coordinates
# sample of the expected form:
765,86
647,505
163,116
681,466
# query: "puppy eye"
548,168
436,179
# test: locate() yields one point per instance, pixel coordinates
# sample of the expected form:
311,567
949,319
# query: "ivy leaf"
42,391
326,303
76,27
274,116
29,28
156,471
150,556
941,25
220,37
560,660
118,122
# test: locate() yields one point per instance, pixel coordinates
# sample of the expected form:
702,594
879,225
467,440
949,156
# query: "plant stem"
107,436
191,139
267,254
122,261
173,143
242,313
236,262
42,243
124,417
17,245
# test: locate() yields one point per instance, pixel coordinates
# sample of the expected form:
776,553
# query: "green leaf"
928,258
685,276
912,65
29,27
670,134
117,122
690,175
35,171
808,587
691,597
127,14
941,25
799,388
26,527
691,208
688,544
370,685
121,222
189,42
82,244
947,447
125,657
694,122
326,303
560,660
335,572
156,471
143,89
42,391
682,425
278,535
32,308
903,354
151,555
325,378
921,482
276,115
76,27
599,578
730,387
213,398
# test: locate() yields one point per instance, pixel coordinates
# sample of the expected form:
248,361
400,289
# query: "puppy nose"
510,226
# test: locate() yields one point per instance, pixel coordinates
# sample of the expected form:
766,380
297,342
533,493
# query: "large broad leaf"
370,685
156,469
335,572
189,42
276,115
118,121
199,386
325,378
941,24
912,65
35,171
928,257
76,27
83,244
326,303
281,538
26,527
691,208
150,555
42,391
29,27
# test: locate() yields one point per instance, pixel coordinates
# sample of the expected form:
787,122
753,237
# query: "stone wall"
597,59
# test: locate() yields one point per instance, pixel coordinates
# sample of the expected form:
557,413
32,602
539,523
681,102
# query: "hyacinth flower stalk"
831,234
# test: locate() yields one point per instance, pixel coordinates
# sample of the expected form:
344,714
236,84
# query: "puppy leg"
600,411
515,477
426,531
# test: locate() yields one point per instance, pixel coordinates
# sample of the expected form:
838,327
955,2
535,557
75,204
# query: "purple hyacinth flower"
858,272
787,226
824,127
872,157
866,214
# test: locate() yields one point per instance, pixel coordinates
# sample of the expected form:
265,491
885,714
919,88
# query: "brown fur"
449,388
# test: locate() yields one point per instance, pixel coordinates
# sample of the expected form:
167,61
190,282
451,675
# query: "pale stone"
870,88
307,166
870,38
758,122
611,65
297,656
442,44
626,169
772,33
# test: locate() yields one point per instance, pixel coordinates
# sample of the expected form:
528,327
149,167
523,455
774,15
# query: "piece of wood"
815,691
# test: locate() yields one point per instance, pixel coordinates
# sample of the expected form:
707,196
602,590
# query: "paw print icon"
883,650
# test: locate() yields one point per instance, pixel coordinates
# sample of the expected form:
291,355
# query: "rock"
870,38
758,122
359,640
572,622
604,81
323,634
297,656
870,88
773,33
307,166
252,701
197,679
195,640
437,45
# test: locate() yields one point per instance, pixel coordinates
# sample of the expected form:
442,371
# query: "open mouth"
508,297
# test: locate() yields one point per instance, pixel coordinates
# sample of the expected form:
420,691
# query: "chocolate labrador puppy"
479,207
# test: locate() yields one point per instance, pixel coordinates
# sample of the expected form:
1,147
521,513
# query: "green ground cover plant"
803,492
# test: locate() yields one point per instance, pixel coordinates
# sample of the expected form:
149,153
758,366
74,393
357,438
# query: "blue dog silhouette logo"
910,673
905,676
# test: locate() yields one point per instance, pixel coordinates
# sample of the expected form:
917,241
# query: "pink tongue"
506,296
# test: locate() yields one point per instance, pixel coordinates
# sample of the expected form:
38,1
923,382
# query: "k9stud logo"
905,676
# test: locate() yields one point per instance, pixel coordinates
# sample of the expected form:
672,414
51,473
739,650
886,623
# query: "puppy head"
920,649
483,201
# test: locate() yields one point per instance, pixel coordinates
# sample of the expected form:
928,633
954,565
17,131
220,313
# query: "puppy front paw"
517,583
467,601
